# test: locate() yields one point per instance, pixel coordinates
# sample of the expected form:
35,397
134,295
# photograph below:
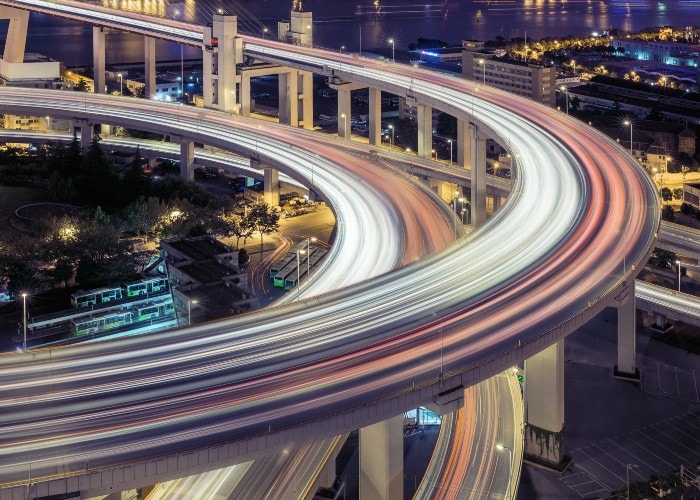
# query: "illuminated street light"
24,321
391,127
678,266
121,84
302,252
342,47
189,311
629,123
393,46
450,141
308,259
483,67
345,125
500,447
564,89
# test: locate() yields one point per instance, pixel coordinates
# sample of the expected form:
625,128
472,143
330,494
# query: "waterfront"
340,23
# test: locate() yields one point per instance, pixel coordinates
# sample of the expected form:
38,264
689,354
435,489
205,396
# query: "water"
340,22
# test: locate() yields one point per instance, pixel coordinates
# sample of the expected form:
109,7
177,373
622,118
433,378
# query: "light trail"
475,307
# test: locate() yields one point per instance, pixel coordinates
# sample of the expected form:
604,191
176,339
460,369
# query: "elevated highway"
348,358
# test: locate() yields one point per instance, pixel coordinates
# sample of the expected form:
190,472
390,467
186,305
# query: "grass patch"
11,198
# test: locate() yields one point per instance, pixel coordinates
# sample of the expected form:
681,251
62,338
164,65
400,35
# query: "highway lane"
374,339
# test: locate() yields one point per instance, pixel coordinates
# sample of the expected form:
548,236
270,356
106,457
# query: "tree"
262,220
678,193
143,215
447,125
667,213
666,194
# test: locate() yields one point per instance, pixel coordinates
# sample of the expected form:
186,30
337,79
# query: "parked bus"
146,286
83,298
97,324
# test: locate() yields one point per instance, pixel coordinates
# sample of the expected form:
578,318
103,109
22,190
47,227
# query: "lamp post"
24,321
345,125
393,46
308,251
628,467
629,123
298,276
483,67
500,447
121,84
435,153
678,266
189,311
264,32
565,89
450,141
391,127
342,47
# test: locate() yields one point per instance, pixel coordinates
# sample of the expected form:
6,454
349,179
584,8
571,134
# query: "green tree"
263,221
667,213
677,193
666,194
143,215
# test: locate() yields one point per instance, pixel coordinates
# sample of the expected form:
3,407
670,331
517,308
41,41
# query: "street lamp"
345,125
24,320
393,46
189,311
483,67
391,127
264,32
435,153
500,447
450,141
298,276
342,47
628,467
121,84
678,266
629,123
308,259
565,89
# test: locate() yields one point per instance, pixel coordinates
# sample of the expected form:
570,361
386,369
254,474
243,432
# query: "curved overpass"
351,357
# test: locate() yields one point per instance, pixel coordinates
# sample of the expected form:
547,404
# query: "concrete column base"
545,448
635,377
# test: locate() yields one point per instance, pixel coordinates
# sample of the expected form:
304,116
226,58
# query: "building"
206,280
535,81
671,53
691,195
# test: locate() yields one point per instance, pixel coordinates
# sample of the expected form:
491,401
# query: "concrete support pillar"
627,334
16,34
149,57
85,133
289,98
344,108
98,59
478,168
544,406
306,82
464,145
105,130
660,321
381,460
496,202
187,159
272,186
425,130
244,96
375,116
222,53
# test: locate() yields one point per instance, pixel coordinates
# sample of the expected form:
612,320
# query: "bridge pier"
86,132
627,334
306,81
381,460
222,52
425,130
478,168
186,158
544,407
149,57
272,186
496,202
289,98
98,60
464,145
16,39
345,112
375,116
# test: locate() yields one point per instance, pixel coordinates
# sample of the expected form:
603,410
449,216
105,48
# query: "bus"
83,298
146,286
102,323
152,311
